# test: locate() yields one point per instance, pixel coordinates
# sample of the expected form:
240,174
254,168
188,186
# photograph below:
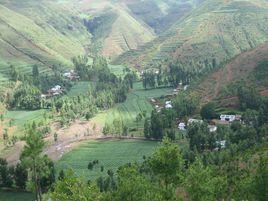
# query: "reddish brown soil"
237,69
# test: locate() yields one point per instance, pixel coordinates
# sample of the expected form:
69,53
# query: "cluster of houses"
71,75
54,91
57,89
224,119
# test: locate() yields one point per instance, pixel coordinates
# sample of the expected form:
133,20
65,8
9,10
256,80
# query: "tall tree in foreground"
204,184
260,184
71,188
168,165
32,159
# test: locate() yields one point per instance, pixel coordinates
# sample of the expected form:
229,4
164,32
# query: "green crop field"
111,155
137,101
118,70
79,88
15,196
20,117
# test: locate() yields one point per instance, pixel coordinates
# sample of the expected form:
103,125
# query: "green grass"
39,33
137,101
15,196
118,70
111,155
79,88
21,117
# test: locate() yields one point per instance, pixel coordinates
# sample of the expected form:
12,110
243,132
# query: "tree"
167,163
20,176
156,125
198,136
208,111
203,184
32,159
147,128
186,104
35,72
27,97
71,188
260,182
61,175
5,174
133,186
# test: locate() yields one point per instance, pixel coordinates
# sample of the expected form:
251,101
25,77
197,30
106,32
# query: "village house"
71,75
195,121
182,126
230,118
185,87
168,105
56,90
212,128
221,144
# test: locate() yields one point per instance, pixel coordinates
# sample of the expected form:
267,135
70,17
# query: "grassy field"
79,88
137,101
20,117
15,196
111,155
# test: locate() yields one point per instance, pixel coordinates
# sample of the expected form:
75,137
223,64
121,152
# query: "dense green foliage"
166,175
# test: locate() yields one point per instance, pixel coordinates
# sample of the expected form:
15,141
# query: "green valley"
133,100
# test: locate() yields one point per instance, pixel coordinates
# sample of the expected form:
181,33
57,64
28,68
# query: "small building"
153,100
182,126
168,105
56,90
238,117
43,96
195,121
227,117
71,75
221,144
185,87
212,128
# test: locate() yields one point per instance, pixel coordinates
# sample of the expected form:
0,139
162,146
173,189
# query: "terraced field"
223,29
111,155
137,101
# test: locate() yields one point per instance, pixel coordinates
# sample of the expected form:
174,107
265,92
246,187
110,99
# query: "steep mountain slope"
161,14
240,68
211,34
114,27
33,32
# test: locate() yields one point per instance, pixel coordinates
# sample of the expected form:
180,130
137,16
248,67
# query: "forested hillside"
210,35
133,100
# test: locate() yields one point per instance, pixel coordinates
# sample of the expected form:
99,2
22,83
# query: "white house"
212,128
195,121
56,90
182,126
226,117
221,144
168,105
185,87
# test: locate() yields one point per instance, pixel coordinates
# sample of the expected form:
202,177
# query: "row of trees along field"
172,75
106,89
